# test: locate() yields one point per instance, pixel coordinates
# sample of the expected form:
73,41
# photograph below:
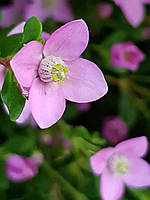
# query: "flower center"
52,69
129,56
118,164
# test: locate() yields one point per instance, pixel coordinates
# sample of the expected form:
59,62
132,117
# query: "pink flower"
133,10
105,10
19,168
114,129
59,10
55,72
84,107
121,165
126,55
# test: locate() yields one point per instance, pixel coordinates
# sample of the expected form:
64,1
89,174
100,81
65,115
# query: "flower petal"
133,11
26,113
26,62
2,73
111,187
139,173
85,82
46,102
136,146
18,29
99,160
69,41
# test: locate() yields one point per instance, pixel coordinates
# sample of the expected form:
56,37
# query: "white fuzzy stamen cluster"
118,164
52,69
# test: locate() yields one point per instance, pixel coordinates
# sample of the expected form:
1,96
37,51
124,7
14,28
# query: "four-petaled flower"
55,72
121,165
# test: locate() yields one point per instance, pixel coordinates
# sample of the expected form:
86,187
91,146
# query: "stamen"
118,164
52,69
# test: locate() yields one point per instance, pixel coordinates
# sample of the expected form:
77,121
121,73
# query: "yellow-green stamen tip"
63,80
55,77
59,67
122,168
65,70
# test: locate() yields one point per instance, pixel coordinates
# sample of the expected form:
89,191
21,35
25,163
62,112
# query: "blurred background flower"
114,129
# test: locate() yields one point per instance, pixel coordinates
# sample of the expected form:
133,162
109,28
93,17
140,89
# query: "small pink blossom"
56,72
133,10
84,107
59,10
126,55
114,129
122,165
20,168
105,10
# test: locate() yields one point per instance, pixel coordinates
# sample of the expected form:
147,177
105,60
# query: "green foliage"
24,144
32,30
127,110
12,97
9,46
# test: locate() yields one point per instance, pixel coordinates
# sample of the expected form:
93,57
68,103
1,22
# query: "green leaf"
9,46
4,183
19,144
12,97
32,30
127,110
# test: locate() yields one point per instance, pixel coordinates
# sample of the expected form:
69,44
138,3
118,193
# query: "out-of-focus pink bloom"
19,168
13,13
114,129
37,157
84,107
56,72
126,55
133,10
59,10
146,33
121,165
55,140
46,139
105,10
